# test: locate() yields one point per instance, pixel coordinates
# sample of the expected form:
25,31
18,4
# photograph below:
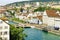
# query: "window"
6,27
5,38
0,33
57,20
5,33
0,27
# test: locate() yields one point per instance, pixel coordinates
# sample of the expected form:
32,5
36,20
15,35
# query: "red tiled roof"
39,17
52,13
2,11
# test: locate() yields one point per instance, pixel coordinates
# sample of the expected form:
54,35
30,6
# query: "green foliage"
16,33
57,9
11,13
15,9
18,20
42,8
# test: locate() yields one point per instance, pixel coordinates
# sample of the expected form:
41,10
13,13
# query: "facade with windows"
4,30
51,18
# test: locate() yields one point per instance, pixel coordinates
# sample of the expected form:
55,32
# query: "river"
36,34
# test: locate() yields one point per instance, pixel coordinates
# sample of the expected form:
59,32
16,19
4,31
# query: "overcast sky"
4,2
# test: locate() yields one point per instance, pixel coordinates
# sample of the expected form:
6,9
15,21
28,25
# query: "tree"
17,10
16,33
42,9
11,13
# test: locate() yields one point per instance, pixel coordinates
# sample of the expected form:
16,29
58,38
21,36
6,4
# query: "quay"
26,25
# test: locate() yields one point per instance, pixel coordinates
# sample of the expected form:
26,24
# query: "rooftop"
2,9
52,13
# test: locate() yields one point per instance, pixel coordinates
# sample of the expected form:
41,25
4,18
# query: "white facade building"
4,30
51,18
57,22
33,21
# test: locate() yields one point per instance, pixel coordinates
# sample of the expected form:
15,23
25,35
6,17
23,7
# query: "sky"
4,2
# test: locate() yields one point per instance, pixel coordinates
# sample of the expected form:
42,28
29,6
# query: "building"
51,18
40,19
4,30
35,20
55,6
2,12
37,4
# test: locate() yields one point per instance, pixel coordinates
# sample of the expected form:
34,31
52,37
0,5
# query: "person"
38,21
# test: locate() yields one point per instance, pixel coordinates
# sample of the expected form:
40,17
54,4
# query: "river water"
35,34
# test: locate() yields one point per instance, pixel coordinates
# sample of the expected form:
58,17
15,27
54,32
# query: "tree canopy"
43,9
16,33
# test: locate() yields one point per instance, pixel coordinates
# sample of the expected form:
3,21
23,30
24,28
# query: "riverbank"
55,32
40,27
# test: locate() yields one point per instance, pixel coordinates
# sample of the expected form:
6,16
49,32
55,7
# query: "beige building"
4,30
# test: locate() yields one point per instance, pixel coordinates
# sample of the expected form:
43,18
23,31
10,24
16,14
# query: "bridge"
28,25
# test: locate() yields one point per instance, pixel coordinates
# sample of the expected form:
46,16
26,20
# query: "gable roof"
52,13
